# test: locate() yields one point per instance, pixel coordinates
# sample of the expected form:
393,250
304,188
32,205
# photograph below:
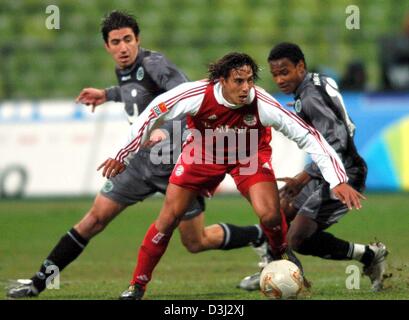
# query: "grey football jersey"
311,106
150,75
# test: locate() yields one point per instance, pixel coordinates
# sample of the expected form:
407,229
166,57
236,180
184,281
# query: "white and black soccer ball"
281,279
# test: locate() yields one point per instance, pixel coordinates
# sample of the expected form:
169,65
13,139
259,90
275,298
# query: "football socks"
325,245
276,236
238,236
67,250
153,247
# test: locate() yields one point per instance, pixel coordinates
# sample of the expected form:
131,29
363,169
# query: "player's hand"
291,189
348,196
111,167
92,97
156,136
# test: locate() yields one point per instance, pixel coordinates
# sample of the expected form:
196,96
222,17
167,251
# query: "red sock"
276,236
153,247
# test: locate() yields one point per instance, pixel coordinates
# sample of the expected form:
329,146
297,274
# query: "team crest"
297,106
179,170
140,74
250,120
108,186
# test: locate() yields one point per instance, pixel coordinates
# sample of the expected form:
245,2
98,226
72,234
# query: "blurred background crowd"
38,63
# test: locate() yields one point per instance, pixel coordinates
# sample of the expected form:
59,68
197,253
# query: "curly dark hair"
233,60
117,20
287,50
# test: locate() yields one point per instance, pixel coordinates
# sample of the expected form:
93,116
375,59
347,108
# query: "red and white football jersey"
224,134
206,108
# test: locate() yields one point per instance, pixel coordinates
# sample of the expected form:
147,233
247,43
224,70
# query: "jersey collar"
302,85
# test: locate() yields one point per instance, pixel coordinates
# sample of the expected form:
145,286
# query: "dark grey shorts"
139,181
314,201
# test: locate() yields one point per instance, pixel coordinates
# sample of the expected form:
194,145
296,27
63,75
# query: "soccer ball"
281,279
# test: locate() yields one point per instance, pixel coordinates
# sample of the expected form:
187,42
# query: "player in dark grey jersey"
142,75
306,198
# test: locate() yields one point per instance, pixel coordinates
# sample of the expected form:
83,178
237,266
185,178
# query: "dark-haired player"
142,75
227,103
307,198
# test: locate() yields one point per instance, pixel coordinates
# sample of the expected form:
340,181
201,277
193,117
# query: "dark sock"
325,245
67,250
368,256
238,237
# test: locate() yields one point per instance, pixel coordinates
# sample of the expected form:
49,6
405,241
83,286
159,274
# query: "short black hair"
287,50
233,60
118,20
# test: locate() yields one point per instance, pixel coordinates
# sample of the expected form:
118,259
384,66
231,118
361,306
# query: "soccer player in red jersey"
226,104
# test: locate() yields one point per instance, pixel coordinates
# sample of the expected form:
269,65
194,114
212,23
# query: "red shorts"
205,178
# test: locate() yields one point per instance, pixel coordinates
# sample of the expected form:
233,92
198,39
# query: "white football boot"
376,269
22,288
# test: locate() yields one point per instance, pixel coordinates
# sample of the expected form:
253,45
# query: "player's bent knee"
193,246
270,219
91,224
191,242
268,213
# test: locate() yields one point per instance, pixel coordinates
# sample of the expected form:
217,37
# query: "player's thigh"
265,201
177,201
101,213
316,203
301,228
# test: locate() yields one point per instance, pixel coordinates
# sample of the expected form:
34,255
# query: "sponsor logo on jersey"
250,120
179,170
227,129
316,79
297,106
140,74
125,78
160,108
108,186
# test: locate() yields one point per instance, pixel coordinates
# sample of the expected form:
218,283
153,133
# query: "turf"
30,228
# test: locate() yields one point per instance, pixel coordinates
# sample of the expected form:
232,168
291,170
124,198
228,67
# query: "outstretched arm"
310,140
182,100
92,97
95,97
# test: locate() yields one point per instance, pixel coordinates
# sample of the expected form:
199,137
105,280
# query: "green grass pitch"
30,228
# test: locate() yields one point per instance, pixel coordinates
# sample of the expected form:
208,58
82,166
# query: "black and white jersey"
333,122
150,75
